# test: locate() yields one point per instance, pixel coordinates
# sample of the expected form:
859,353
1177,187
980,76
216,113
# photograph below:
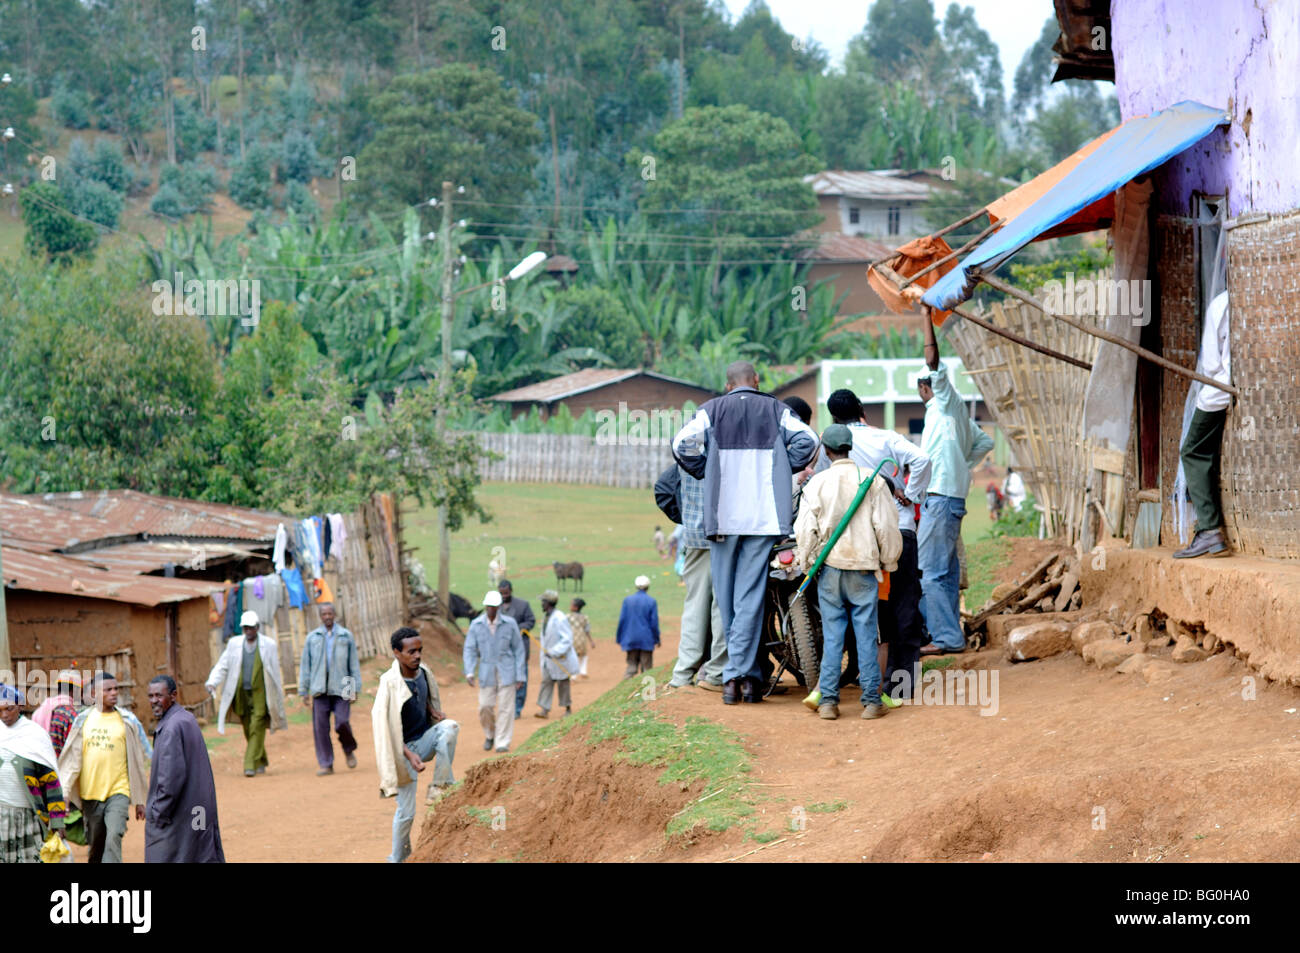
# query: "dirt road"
289,814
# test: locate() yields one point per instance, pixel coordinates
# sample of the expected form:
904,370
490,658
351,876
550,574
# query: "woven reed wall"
1180,342
1037,402
1261,448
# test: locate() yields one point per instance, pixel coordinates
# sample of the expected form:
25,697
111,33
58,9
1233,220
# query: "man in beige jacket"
847,583
410,729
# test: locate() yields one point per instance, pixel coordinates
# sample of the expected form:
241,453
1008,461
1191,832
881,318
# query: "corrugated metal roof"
867,185
836,246
151,556
36,526
47,572
567,385
132,512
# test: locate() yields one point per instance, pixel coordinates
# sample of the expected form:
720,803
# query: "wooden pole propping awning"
897,280
1115,339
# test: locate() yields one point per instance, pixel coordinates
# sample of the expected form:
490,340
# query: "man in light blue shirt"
954,445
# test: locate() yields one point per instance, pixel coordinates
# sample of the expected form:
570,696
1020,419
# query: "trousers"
703,644
496,713
322,706
105,825
1200,456
739,567
439,743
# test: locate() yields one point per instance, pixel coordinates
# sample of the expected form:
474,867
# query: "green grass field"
607,529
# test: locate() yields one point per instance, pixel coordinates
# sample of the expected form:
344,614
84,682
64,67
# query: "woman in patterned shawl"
31,801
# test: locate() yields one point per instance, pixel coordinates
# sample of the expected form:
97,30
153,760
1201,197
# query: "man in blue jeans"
746,447
954,445
410,729
846,585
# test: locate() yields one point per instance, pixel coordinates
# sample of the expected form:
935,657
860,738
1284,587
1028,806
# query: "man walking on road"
954,445
746,447
329,678
103,770
638,628
410,729
181,813
248,674
558,661
495,663
522,613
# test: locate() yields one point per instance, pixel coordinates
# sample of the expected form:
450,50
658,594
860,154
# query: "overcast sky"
1013,24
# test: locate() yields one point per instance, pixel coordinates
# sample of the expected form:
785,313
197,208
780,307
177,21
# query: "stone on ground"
1037,640
1087,632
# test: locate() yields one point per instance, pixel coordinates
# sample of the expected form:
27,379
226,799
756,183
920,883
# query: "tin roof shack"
63,611
604,389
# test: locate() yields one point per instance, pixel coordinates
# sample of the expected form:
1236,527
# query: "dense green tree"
52,230
449,124
729,173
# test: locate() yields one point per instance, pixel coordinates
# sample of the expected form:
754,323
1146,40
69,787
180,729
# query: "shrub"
108,165
69,107
298,199
195,132
250,178
94,200
169,202
300,162
51,231
193,184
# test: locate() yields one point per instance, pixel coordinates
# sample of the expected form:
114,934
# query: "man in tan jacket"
104,769
847,582
410,729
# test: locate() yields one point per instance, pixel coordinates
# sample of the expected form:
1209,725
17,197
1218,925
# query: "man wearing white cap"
495,662
638,628
249,675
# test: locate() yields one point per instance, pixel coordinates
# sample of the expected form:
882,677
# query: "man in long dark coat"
181,811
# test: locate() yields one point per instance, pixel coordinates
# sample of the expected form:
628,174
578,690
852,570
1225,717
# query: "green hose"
858,497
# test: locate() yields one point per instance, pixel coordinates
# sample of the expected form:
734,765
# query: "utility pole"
444,392
6,661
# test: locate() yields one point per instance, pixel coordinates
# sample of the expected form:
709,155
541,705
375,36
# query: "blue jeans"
936,558
841,593
739,567
439,740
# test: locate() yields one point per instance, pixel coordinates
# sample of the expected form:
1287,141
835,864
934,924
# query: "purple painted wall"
1244,56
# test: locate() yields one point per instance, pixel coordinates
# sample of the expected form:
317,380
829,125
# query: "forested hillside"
657,143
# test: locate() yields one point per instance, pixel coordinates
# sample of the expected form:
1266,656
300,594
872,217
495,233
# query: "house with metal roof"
604,389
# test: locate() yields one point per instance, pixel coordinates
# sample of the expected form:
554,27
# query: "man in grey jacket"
328,680
494,664
746,447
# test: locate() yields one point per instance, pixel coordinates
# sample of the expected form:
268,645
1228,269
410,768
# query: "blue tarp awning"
1129,150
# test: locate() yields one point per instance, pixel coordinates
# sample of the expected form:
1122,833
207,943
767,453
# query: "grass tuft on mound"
698,751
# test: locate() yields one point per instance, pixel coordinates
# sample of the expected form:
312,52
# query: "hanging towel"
339,534
306,532
293,585
322,549
281,540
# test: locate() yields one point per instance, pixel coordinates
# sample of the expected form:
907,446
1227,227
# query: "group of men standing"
739,457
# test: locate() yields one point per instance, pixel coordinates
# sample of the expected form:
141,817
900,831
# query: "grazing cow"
461,608
572,571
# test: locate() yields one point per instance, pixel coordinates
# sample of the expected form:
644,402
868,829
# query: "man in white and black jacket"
745,446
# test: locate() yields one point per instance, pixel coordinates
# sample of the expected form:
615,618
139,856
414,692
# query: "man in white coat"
410,730
559,660
248,674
